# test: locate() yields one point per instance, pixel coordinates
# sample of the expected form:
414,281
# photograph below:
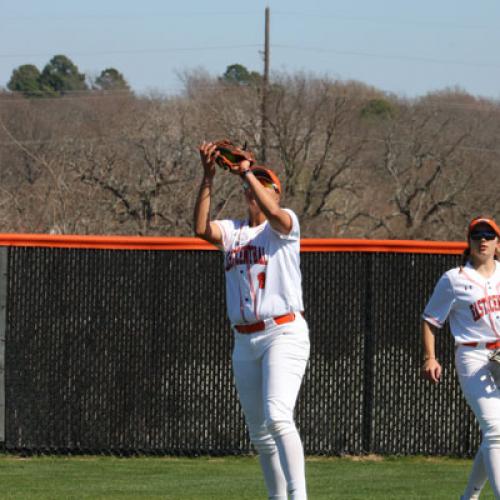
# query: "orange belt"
488,345
261,325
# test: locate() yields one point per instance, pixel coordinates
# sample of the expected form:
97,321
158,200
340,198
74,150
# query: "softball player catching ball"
264,305
470,296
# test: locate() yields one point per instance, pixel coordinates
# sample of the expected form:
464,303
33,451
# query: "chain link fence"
126,352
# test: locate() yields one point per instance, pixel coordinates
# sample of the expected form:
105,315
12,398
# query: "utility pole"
265,87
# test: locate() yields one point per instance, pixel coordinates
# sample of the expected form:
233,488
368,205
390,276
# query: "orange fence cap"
186,243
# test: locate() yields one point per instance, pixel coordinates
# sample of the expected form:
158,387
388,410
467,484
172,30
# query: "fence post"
3,321
369,349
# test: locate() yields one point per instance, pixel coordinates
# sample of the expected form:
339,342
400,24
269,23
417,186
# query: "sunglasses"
480,235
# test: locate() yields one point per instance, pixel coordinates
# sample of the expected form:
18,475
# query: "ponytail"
465,257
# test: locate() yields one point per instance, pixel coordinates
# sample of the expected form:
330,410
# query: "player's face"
249,193
483,242
249,197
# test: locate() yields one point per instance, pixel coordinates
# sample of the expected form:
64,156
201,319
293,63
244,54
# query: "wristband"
244,173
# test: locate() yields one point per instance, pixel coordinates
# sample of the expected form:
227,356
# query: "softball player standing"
470,296
264,305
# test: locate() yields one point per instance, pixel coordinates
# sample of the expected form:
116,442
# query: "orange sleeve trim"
184,243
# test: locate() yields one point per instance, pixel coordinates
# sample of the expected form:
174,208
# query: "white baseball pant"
268,369
480,380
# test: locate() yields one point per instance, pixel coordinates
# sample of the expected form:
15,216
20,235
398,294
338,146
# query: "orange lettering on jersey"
486,305
262,280
246,255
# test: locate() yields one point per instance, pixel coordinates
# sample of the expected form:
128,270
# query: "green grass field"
229,478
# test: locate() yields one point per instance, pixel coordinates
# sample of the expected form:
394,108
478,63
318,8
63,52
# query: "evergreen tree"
61,75
239,75
26,79
111,79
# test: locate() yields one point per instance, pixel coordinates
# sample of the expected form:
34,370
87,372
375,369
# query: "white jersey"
471,301
262,267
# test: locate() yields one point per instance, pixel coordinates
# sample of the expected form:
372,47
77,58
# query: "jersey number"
262,279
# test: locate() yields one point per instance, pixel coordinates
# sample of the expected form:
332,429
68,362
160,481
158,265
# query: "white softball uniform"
262,268
263,281
472,303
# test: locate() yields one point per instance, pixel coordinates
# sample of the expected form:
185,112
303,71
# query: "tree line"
61,76
355,162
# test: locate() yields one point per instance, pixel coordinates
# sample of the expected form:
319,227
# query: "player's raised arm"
267,200
203,226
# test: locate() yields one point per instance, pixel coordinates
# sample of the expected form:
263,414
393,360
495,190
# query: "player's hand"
208,154
432,370
241,167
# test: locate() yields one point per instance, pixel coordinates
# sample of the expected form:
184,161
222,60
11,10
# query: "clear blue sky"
401,46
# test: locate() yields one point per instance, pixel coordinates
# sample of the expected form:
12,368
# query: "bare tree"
354,162
427,159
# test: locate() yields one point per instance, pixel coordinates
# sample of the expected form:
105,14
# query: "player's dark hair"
465,256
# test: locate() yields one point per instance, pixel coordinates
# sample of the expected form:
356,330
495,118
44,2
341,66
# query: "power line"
388,56
341,16
136,15
318,50
383,20
140,51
